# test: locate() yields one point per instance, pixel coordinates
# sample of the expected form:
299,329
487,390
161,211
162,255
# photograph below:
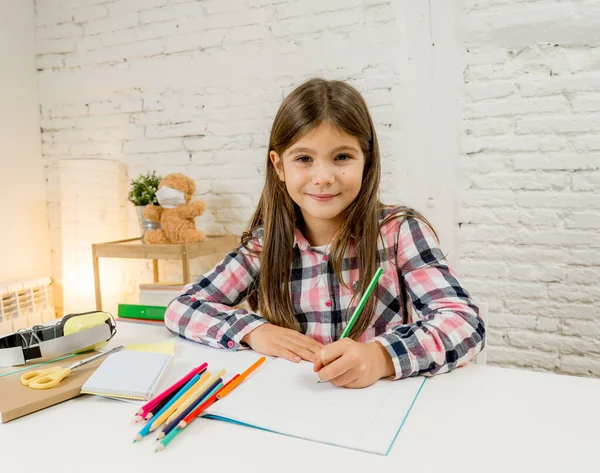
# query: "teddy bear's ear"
191,187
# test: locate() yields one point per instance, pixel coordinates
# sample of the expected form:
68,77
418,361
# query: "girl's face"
322,172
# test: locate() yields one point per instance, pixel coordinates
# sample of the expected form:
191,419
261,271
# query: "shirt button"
328,303
230,344
324,258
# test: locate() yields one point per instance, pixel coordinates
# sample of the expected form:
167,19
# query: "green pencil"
361,304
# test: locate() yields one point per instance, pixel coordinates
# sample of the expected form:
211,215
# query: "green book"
139,311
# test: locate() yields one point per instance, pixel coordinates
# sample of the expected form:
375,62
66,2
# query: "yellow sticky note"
163,347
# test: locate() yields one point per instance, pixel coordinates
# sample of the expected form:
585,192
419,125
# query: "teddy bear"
176,212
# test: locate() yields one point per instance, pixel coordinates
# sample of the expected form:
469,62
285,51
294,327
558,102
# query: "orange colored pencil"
229,382
234,382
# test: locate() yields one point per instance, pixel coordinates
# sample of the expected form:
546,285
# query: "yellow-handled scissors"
48,378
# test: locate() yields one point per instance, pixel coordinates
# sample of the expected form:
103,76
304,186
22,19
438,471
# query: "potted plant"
141,193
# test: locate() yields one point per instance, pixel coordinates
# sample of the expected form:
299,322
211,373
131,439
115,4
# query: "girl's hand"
272,340
353,364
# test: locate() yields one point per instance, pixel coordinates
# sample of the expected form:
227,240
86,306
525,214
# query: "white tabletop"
474,419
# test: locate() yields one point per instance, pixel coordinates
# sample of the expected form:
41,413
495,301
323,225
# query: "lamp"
93,197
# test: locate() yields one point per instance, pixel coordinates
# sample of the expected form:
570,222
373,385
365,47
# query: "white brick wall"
193,86
530,211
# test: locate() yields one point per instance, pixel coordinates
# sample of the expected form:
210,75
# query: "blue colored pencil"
148,414
173,433
171,425
146,430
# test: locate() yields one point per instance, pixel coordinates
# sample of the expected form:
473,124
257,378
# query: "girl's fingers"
326,355
301,351
335,369
333,351
345,380
283,352
307,342
357,384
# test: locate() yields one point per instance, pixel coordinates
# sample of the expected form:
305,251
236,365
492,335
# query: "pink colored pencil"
142,411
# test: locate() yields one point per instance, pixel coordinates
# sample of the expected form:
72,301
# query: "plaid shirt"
448,334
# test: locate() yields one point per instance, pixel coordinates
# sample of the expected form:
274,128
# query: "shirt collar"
300,241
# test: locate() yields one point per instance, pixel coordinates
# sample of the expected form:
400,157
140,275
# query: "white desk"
477,418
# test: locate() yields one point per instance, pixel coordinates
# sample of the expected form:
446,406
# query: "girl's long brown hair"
305,108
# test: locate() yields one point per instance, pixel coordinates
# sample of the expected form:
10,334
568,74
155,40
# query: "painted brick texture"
530,207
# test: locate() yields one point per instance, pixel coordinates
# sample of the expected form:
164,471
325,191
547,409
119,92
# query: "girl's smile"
323,197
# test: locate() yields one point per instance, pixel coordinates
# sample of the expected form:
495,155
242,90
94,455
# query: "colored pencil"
159,420
175,386
242,377
159,406
201,390
175,431
199,410
171,424
149,414
361,304
172,430
142,433
186,392
152,412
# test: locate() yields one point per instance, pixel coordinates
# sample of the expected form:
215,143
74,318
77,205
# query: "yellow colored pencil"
190,399
160,419
198,392
201,391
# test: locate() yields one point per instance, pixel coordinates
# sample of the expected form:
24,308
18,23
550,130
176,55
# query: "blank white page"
285,397
129,374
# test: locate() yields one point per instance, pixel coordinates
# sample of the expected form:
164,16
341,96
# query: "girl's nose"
322,175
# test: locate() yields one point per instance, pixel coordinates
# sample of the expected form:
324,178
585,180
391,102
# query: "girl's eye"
342,157
303,159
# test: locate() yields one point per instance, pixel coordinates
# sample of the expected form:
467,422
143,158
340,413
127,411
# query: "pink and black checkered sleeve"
205,312
450,332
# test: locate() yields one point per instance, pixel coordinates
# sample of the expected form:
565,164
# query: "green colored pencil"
361,304
175,432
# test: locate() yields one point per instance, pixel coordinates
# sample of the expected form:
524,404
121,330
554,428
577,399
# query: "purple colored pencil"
191,407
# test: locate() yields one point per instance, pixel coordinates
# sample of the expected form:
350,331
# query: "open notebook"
129,375
285,397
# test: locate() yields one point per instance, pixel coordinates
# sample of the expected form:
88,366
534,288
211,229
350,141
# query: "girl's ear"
277,164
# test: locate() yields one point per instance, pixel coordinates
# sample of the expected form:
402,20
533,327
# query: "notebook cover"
140,321
140,311
17,400
129,375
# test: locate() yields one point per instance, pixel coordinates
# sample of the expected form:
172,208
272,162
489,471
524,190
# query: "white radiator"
24,304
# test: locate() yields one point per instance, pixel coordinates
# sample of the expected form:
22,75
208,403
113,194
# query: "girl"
317,237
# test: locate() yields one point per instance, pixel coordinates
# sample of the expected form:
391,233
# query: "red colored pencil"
142,411
187,419
196,412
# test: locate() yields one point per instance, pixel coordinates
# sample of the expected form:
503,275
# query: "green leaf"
143,189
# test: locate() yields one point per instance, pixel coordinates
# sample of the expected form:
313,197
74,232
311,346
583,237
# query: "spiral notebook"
129,375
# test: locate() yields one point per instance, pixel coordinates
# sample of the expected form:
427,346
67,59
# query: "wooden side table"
134,248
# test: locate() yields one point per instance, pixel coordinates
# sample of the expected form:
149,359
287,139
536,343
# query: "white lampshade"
93,199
